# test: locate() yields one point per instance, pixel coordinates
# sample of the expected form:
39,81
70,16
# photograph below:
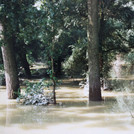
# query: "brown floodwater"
74,116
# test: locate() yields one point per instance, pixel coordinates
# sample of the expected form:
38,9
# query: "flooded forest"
66,66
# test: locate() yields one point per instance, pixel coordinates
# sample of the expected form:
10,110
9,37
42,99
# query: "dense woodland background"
71,38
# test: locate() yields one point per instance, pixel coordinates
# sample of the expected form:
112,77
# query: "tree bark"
57,67
25,65
53,80
22,57
93,51
12,81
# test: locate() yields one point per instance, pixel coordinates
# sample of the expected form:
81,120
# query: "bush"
34,94
76,64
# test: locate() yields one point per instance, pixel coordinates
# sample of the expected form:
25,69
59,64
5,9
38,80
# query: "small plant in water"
34,94
125,102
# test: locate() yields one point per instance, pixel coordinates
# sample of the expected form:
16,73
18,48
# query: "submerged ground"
74,116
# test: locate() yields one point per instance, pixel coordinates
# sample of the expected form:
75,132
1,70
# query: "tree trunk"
23,59
57,67
12,81
93,51
53,80
25,65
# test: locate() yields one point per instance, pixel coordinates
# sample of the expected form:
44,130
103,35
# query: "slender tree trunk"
53,80
22,57
57,67
25,65
93,51
12,81
52,67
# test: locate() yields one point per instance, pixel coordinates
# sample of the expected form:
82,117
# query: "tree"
9,20
12,82
93,51
115,22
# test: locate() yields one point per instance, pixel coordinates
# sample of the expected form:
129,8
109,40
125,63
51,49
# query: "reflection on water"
74,116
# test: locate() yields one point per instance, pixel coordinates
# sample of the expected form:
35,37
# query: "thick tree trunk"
12,82
93,51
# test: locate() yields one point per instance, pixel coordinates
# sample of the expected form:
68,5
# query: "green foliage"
115,35
2,79
34,94
19,20
76,64
59,30
121,84
130,57
52,77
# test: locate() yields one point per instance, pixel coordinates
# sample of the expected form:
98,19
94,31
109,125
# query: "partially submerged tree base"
94,94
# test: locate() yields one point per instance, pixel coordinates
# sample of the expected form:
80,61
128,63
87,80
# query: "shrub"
34,94
76,64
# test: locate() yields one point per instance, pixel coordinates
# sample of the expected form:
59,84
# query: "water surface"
74,116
